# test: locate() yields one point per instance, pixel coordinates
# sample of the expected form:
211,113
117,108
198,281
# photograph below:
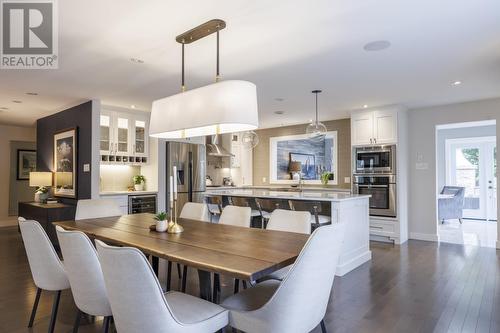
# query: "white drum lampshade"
222,107
40,179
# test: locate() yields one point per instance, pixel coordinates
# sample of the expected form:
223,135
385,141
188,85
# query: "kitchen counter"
308,195
105,193
351,210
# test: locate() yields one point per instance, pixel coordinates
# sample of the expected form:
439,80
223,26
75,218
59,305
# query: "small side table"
45,214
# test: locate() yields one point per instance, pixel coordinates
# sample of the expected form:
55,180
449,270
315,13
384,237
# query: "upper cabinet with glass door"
124,137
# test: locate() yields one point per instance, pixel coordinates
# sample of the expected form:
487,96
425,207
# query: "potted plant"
139,181
161,222
325,177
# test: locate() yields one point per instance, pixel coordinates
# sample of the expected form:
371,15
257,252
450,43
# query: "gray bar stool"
313,207
214,205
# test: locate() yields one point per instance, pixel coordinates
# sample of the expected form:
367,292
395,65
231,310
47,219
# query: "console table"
45,214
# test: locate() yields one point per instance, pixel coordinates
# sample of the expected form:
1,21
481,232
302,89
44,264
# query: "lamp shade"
64,178
295,166
222,107
39,179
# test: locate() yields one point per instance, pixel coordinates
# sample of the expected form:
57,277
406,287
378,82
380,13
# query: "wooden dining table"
238,252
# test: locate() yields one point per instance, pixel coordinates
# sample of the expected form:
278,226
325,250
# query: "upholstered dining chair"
255,210
315,208
237,216
85,276
96,208
299,302
138,302
291,221
47,270
195,211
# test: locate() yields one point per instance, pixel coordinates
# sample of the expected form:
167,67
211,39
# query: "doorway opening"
467,183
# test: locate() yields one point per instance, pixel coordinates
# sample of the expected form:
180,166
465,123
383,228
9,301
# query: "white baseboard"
424,237
346,267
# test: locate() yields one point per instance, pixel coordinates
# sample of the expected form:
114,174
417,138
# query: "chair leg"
236,285
184,279
179,274
442,221
169,274
35,307
323,327
55,306
460,220
105,324
76,325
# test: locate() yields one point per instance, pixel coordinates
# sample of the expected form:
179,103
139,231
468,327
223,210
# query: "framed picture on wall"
307,163
26,163
65,163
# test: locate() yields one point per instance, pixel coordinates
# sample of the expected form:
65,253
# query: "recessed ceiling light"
32,93
132,106
16,101
137,60
279,112
365,106
457,83
279,99
377,45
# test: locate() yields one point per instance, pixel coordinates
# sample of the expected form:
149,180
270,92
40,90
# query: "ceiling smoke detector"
377,45
137,60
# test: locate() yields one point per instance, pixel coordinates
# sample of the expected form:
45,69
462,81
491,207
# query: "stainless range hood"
214,147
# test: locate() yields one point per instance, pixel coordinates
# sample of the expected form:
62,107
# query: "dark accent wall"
78,116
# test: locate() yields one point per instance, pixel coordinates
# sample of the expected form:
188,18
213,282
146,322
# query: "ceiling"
287,48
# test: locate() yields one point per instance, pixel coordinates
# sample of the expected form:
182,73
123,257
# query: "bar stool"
250,202
267,206
313,207
214,205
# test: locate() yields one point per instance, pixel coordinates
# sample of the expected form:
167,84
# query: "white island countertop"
289,195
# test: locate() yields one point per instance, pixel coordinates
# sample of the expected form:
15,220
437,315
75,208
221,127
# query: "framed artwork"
65,163
316,157
308,164
26,163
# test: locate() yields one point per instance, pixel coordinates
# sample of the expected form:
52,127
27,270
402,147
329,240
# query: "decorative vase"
161,226
41,197
139,187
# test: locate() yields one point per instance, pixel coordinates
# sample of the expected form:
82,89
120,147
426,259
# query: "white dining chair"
299,302
96,208
138,302
85,276
195,211
291,221
237,216
47,270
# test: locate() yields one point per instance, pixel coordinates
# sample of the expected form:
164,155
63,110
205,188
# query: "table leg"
205,285
155,263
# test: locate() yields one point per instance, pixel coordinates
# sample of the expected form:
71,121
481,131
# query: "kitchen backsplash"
117,177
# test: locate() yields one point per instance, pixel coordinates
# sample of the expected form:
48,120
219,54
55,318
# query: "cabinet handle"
371,140
375,140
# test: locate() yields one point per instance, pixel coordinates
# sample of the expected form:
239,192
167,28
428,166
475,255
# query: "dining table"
242,253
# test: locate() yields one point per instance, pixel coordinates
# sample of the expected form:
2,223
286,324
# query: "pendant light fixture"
315,129
222,107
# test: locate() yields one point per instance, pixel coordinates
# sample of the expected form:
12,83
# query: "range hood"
214,147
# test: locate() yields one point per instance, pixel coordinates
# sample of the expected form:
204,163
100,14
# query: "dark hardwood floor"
417,287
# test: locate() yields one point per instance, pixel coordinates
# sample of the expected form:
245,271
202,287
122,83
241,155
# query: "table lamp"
295,169
41,180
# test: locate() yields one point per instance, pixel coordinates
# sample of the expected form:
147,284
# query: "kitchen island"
350,209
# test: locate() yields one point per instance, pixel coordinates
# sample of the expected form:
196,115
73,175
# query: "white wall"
7,134
422,134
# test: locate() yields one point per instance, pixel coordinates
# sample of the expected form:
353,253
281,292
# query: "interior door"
471,164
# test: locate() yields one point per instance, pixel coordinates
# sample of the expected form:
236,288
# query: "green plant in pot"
325,177
161,222
139,181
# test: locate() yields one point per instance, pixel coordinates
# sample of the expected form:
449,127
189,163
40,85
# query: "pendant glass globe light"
250,140
315,129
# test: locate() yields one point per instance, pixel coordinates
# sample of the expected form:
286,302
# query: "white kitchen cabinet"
374,127
124,137
120,200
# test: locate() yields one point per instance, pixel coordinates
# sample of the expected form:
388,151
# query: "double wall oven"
374,173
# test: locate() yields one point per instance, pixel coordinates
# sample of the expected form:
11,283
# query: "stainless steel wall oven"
382,189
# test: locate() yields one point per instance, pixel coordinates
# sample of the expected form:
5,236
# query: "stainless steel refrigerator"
190,160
